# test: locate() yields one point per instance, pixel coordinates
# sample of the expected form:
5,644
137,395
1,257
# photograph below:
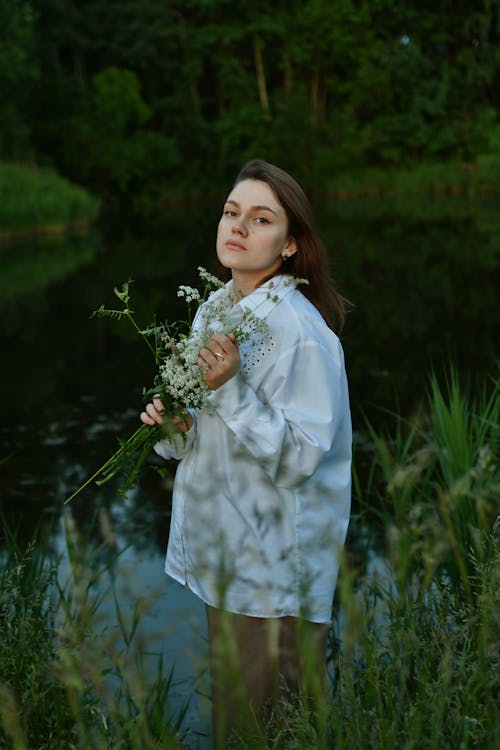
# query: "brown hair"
310,261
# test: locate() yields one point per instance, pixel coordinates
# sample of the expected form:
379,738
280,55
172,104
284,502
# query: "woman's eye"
262,220
229,212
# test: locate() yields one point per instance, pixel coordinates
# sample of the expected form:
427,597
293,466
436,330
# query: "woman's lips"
233,245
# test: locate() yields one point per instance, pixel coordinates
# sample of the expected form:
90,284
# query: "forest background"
146,102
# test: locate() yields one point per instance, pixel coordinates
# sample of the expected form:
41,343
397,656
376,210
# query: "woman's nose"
239,228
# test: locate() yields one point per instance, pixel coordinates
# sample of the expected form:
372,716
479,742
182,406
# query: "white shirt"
262,493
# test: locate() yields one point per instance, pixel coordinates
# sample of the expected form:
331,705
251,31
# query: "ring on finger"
219,356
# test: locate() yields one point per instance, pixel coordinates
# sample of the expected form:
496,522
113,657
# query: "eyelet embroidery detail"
252,354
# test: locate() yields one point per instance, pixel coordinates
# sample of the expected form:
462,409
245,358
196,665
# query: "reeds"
438,485
417,665
66,680
413,653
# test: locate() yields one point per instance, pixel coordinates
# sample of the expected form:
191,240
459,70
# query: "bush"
33,198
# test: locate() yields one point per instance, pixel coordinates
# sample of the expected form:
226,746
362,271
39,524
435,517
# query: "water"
423,283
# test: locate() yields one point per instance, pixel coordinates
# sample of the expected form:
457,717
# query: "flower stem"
132,320
139,437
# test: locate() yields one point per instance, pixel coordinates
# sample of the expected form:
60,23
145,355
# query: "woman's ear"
289,248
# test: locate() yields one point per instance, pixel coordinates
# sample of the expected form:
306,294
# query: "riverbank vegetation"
39,201
161,101
440,179
413,652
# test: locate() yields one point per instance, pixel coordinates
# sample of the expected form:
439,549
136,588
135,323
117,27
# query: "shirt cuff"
178,445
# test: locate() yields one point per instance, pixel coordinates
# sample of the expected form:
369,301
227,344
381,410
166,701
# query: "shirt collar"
263,299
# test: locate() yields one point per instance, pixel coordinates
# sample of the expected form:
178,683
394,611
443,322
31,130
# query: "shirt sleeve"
289,426
178,444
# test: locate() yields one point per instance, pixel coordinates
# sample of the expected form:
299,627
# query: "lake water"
423,283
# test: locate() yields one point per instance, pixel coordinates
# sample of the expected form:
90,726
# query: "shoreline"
45,231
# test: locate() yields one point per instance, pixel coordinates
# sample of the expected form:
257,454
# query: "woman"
262,493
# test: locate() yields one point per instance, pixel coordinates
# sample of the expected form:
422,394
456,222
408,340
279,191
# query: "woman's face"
252,236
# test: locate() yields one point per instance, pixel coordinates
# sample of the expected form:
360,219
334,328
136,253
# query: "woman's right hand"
154,411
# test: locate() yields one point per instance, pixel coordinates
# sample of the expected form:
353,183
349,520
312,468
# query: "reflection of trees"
139,520
30,266
424,292
46,466
45,331
68,382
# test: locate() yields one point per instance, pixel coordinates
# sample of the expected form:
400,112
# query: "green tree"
19,72
124,157
320,87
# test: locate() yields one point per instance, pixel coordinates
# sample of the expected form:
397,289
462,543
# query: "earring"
285,256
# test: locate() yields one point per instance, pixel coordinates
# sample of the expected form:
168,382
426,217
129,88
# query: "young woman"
262,492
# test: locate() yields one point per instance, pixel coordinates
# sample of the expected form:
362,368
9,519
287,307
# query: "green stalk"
139,432
129,315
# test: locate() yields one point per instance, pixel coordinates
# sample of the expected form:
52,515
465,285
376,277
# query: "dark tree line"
145,97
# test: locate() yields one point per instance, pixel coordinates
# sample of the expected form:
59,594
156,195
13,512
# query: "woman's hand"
154,411
219,360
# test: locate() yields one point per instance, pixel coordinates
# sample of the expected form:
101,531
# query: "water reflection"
424,290
30,266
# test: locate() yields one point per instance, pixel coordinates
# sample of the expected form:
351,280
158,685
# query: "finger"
202,364
183,423
216,348
146,419
208,356
158,404
223,343
223,348
154,413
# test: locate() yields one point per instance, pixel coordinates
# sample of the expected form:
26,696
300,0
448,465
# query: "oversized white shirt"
262,493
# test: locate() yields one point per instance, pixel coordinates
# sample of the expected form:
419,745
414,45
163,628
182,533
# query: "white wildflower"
190,293
293,280
180,375
209,278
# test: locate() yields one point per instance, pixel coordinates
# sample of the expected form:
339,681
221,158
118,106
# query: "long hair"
310,261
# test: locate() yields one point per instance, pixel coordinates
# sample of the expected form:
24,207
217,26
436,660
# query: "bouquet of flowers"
179,382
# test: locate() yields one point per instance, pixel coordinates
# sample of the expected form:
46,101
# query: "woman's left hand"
219,360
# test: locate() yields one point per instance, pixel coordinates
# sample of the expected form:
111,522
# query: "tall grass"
33,198
414,646
418,665
66,681
440,487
